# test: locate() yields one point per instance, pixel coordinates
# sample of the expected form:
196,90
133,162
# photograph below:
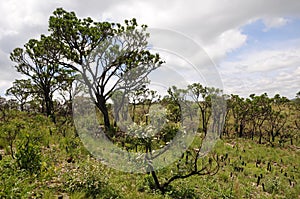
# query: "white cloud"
7,75
266,60
225,43
271,71
276,22
215,24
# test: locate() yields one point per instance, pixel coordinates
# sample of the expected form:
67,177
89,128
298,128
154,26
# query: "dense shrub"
28,156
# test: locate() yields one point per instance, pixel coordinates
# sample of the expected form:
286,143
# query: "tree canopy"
108,56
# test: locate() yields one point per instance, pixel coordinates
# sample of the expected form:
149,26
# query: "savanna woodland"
42,154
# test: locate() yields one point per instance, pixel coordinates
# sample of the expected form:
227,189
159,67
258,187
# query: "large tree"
38,61
107,56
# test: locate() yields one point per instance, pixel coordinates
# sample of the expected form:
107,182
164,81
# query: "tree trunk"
104,111
22,106
236,128
49,105
260,137
158,186
156,181
103,108
204,122
241,130
273,136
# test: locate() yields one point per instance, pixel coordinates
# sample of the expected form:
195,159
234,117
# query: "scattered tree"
21,90
39,61
107,56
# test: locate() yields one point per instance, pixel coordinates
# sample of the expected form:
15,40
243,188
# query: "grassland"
68,170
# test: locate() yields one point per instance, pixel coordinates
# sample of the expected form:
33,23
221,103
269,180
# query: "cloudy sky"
255,44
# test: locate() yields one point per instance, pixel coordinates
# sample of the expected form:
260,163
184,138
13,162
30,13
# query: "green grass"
86,177
67,169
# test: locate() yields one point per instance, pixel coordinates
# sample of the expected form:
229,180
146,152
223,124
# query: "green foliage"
273,185
39,62
10,131
149,182
173,112
181,193
16,183
89,179
28,156
118,51
168,132
61,163
21,90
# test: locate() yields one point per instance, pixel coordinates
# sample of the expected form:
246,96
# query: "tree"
21,90
144,97
38,61
192,161
202,96
277,117
136,97
190,164
3,108
108,56
226,112
219,112
260,110
240,111
175,99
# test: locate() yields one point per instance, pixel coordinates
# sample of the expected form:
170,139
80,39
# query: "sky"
254,45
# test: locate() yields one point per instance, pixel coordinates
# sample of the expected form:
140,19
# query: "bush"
88,179
16,183
169,131
28,156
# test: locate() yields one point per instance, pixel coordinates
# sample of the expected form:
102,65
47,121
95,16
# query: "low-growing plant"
182,193
9,132
88,179
28,156
272,185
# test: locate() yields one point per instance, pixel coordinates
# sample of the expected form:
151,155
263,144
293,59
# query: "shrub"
88,179
169,131
273,185
28,156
